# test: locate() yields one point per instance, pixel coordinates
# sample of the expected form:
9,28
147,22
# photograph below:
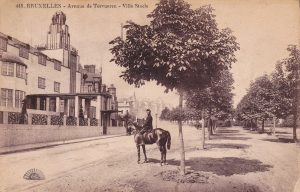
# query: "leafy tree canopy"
217,99
181,48
274,95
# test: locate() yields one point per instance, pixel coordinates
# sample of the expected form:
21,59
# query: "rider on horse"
147,127
146,135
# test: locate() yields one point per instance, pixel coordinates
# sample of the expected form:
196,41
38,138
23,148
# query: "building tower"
112,91
58,46
58,36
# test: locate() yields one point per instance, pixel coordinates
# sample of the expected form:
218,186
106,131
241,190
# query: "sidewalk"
28,147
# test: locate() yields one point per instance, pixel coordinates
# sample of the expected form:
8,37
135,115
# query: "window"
42,59
20,71
3,44
7,68
6,97
92,112
90,88
52,104
41,83
73,59
56,87
24,52
57,65
43,103
19,97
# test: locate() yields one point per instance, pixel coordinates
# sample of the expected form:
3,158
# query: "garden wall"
15,134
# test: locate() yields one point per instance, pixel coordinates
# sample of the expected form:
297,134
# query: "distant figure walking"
24,116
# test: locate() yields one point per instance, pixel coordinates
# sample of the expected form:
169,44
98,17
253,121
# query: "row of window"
42,60
8,69
42,104
24,52
7,98
89,89
42,84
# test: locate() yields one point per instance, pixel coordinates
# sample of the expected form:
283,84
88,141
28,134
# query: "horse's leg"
161,149
144,151
165,155
138,152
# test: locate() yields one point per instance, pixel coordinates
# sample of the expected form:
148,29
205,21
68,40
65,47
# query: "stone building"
52,81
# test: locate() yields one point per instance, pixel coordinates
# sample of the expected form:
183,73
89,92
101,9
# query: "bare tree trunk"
295,111
296,105
182,152
263,126
256,125
209,125
208,129
203,130
295,126
274,125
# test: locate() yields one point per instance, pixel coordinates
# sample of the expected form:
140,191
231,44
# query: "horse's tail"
168,139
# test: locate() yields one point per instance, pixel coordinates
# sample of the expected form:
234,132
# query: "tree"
215,100
281,104
276,95
292,66
165,114
244,110
261,92
258,102
180,49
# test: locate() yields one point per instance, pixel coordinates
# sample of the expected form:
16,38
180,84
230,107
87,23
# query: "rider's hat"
148,110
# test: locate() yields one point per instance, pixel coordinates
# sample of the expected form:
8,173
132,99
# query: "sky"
263,28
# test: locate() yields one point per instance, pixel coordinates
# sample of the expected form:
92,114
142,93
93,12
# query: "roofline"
70,94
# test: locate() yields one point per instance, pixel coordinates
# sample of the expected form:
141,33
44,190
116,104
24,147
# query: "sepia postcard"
149,95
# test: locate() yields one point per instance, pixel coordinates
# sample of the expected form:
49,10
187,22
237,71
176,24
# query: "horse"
159,136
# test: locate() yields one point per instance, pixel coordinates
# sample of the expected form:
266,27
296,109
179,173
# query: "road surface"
234,160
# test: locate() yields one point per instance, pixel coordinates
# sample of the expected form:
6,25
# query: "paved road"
59,161
258,164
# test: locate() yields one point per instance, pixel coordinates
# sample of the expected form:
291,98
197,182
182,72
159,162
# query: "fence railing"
43,119
14,117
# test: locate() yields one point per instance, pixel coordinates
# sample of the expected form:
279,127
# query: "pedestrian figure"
24,116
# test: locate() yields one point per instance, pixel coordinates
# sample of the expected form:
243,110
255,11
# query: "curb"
31,147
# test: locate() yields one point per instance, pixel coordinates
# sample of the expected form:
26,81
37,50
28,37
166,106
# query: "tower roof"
59,18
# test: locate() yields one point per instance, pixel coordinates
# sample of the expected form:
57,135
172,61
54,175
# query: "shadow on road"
227,145
280,140
220,137
225,166
226,135
282,132
227,131
150,160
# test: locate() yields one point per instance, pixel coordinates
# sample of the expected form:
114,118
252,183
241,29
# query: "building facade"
51,79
